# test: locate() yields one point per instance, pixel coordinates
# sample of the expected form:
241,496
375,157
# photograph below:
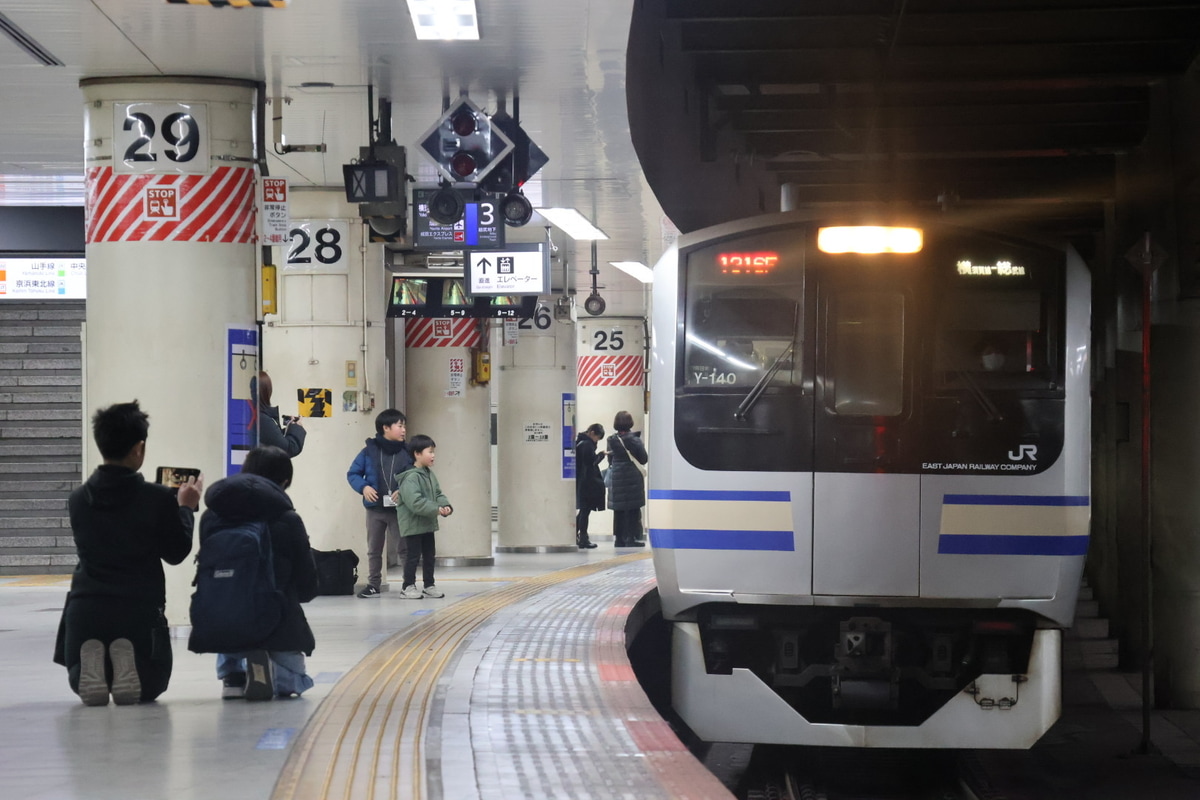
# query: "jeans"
287,666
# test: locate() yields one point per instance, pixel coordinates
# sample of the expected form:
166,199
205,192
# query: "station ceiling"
655,114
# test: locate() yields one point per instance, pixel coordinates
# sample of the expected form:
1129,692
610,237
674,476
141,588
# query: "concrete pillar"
171,268
444,404
610,375
536,480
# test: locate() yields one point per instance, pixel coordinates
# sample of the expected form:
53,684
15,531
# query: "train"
869,496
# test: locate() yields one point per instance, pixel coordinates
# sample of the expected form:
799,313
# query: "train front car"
869,503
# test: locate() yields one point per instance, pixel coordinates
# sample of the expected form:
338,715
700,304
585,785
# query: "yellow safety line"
406,668
33,580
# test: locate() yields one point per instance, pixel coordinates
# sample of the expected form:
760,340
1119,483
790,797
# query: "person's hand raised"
190,491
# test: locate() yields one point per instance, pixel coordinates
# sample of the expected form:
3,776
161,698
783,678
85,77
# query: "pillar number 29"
160,138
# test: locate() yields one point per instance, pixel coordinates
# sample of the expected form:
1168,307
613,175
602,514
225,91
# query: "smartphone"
286,420
174,476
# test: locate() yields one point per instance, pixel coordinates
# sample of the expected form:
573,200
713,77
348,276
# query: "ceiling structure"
1002,108
700,109
560,64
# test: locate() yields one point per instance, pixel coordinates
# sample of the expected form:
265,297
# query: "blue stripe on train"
725,496
1002,545
1015,500
693,539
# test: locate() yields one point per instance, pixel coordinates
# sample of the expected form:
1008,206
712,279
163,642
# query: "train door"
866,520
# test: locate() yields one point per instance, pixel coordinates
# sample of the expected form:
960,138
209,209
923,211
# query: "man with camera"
373,475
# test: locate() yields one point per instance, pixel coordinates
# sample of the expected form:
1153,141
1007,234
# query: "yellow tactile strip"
365,738
34,580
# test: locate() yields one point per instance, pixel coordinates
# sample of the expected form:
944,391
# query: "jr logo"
1022,451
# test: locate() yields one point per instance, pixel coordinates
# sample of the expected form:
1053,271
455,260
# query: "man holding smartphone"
373,475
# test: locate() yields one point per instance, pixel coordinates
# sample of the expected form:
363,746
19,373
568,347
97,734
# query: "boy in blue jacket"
373,475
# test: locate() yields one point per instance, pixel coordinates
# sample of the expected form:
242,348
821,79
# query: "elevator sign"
519,269
160,138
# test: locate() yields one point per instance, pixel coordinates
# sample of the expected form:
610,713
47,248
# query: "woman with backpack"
266,607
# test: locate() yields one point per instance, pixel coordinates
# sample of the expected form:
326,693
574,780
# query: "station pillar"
536,480
445,404
170,238
610,355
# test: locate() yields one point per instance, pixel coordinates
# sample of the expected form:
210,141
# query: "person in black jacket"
589,483
289,438
627,494
276,666
113,636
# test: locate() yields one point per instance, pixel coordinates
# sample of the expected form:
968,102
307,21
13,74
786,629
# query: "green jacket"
420,498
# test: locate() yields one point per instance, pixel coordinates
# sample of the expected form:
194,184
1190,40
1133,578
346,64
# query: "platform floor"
515,685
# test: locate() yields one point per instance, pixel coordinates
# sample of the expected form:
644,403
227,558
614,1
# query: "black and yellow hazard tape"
235,3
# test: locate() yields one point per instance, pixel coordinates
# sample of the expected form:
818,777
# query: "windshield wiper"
756,391
985,402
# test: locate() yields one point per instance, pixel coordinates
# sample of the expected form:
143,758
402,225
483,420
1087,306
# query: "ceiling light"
447,20
572,223
636,269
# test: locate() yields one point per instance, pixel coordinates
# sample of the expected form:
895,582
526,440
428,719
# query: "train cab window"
868,353
996,340
736,341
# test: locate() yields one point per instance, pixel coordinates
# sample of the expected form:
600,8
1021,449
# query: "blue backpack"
235,606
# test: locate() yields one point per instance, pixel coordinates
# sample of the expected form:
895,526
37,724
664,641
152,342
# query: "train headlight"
869,239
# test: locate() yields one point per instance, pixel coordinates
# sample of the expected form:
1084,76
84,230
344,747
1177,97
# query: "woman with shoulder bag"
627,495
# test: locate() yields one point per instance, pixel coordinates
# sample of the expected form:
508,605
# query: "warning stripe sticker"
610,371
218,207
442,333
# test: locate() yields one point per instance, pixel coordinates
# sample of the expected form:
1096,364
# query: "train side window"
867,368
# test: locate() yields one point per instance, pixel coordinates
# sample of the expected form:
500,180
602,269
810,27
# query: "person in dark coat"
627,494
589,483
113,636
289,439
276,666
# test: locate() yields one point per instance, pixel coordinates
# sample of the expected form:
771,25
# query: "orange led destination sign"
747,263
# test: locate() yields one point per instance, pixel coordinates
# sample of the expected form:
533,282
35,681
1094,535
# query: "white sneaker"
412,593
433,591
126,686
93,688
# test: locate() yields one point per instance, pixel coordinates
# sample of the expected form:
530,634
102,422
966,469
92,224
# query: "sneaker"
412,593
126,686
369,591
233,686
432,591
260,678
93,689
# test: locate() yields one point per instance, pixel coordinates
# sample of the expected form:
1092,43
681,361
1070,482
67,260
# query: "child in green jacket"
419,503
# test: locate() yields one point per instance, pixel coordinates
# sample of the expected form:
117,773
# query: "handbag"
606,474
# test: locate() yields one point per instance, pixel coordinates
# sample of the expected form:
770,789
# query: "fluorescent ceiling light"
446,20
636,269
572,223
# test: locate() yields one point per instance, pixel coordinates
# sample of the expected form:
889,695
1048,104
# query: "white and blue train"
869,503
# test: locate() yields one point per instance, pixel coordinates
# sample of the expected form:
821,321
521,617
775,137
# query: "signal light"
464,143
446,206
515,210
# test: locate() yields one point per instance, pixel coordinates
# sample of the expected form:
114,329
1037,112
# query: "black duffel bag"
337,571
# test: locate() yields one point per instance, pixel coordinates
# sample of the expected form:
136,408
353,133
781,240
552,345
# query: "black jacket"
291,441
589,483
628,490
124,529
244,497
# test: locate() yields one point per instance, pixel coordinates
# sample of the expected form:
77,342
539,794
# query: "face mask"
993,361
